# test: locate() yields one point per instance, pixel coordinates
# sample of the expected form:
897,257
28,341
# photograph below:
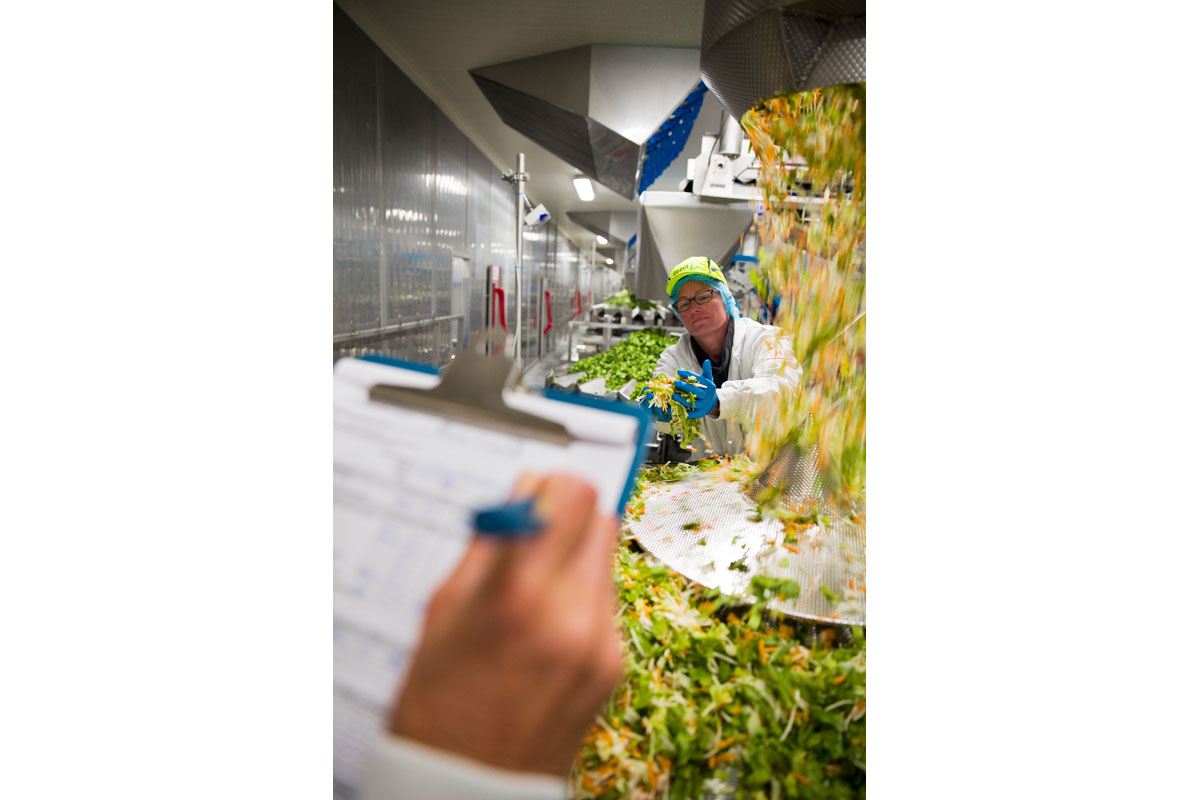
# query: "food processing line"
712,529
724,533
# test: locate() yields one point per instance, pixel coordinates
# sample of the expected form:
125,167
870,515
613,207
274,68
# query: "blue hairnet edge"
730,304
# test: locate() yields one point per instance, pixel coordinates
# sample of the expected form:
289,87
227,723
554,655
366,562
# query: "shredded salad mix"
661,391
721,699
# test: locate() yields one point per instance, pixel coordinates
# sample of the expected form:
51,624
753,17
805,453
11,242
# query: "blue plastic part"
509,520
700,399
738,259
379,358
661,414
666,143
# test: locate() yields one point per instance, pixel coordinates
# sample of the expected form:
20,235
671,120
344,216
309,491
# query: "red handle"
549,319
578,303
496,290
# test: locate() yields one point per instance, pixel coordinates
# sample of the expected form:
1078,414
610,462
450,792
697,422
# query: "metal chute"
755,49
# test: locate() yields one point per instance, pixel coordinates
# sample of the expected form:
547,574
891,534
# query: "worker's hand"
661,414
700,399
519,649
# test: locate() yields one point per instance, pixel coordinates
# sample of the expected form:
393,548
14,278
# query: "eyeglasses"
701,297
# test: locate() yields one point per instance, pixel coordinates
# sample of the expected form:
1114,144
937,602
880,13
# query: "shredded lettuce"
723,699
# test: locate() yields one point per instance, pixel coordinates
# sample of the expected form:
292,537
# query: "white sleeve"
668,363
774,373
401,769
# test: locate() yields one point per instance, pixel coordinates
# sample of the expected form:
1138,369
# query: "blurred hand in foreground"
519,648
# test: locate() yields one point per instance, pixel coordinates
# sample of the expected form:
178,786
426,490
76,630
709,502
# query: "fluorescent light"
608,261
600,239
584,187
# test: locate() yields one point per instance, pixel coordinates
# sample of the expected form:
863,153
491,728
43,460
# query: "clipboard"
415,453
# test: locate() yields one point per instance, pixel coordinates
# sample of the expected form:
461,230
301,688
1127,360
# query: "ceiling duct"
755,49
616,226
597,106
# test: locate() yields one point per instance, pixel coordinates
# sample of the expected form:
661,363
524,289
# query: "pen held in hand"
514,519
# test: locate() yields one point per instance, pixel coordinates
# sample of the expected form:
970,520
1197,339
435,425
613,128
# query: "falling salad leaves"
815,263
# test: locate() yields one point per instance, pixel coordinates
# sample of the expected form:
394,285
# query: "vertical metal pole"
489,318
519,187
730,143
592,267
380,216
540,304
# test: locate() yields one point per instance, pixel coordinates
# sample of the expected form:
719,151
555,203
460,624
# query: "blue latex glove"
662,415
701,399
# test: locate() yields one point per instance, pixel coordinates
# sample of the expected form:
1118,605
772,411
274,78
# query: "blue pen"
510,520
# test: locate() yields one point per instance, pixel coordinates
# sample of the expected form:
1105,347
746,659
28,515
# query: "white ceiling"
436,42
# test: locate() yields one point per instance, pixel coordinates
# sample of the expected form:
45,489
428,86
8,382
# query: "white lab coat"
763,368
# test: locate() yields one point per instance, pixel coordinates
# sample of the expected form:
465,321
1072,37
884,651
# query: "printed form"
406,485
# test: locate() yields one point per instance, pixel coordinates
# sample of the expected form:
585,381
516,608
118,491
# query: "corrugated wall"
419,213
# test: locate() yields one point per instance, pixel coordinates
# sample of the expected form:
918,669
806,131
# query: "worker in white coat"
743,367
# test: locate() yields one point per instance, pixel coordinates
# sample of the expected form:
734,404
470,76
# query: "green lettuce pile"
631,359
624,298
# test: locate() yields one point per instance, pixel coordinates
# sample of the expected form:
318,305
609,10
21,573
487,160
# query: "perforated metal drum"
707,528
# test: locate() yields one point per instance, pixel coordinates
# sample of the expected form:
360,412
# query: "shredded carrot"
801,778
791,549
839,679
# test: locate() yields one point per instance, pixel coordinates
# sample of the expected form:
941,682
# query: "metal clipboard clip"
471,390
